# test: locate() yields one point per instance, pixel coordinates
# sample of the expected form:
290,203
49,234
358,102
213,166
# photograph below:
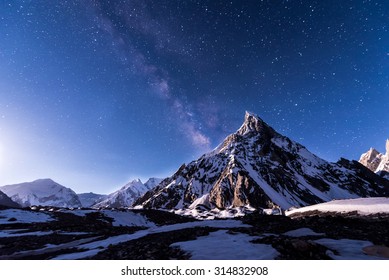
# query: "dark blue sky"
94,93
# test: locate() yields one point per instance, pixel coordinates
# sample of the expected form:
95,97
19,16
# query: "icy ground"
9,216
153,234
97,246
213,247
363,206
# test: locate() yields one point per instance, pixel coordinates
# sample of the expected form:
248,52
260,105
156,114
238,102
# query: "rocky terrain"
57,233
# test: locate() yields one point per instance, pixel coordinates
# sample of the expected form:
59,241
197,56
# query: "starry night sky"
95,93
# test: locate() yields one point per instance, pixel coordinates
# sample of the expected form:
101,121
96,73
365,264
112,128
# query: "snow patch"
127,218
23,216
300,232
347,249
364,206
94,247
221,245
15,233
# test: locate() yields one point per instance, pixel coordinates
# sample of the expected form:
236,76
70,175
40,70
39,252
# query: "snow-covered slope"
127,194
6,201
364,206
260,168
152,183
89,199
43,192
376,161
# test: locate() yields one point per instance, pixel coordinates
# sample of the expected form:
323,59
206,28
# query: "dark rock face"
6,201
258,167
383,174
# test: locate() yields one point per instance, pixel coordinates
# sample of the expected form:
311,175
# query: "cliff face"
376,161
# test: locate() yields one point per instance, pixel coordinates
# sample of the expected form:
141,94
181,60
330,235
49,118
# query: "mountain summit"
253,124
258,167
376,161
6,201
126,195
43,192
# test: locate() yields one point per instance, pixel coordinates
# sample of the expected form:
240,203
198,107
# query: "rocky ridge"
125,196
376,161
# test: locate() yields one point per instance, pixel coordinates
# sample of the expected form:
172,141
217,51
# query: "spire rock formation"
376,161
260,168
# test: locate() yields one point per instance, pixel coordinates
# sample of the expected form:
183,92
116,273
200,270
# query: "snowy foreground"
363,206
152,234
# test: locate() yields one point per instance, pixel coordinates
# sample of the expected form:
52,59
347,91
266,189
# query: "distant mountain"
360,206
6,201
376,161
258,167
43,192
89,199
126,196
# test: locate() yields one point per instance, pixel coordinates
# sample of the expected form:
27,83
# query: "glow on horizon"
93,95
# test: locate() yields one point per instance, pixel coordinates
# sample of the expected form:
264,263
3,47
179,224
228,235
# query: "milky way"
94,93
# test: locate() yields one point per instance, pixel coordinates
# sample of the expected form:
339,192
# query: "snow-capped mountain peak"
252,123
258,167
43,192
126,195
152,182
376,161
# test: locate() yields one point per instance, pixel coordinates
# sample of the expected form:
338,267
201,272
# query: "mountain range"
254,167
258,167
126,196
46,192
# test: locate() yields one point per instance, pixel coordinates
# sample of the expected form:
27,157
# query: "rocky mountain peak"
375,160
136,181
258,167
372,153
252,123
371,159
45,192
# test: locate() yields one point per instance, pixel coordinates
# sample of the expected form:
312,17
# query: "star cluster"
97,92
